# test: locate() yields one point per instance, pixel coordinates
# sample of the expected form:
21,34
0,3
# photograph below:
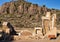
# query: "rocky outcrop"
21,7
12,8
5,8
0,9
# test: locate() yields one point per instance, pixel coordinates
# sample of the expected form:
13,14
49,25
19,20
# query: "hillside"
25,14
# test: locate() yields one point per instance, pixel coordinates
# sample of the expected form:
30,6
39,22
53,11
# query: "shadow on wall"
12,31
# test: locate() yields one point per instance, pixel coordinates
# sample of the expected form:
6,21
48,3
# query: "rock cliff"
24,14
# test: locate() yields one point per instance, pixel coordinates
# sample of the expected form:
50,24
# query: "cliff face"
23,14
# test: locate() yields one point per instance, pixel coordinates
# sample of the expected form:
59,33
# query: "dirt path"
41,40
37,41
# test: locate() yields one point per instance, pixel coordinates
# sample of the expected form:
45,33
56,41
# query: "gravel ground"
40,40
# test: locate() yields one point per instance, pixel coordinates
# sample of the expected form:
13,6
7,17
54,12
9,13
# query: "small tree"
44,6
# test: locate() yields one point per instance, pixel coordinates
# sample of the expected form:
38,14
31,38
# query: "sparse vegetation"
24,14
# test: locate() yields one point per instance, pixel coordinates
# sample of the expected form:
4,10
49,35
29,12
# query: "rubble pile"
26,33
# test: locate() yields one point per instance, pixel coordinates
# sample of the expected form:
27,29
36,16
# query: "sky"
48,3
